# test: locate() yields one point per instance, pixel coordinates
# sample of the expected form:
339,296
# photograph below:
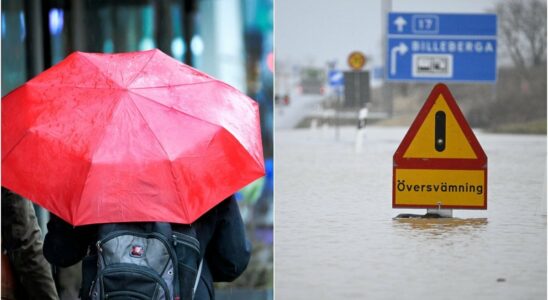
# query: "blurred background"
230,40
515,102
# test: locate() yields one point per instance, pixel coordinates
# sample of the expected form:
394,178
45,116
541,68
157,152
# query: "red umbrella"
139,136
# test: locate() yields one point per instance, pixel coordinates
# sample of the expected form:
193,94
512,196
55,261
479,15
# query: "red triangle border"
440,163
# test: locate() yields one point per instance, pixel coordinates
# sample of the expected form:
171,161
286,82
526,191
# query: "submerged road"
299,107
335,237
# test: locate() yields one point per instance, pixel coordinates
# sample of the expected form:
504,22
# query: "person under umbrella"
144,150
223,246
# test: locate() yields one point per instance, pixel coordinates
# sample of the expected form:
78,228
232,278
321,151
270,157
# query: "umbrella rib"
100,71
140,71
171,107
144,119
90,164
83,186
45,85
174,85
202,120
163,149
15,145
90,160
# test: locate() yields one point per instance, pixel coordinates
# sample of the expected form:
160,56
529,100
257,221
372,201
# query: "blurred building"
229,39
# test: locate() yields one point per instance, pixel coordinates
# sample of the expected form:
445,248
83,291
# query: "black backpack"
142,261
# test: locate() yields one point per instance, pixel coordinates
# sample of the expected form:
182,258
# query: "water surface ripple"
335,236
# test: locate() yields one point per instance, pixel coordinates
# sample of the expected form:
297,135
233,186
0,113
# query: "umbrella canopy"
139,136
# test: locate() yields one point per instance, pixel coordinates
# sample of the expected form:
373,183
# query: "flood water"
335,236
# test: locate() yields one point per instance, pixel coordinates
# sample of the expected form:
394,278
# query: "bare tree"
522,25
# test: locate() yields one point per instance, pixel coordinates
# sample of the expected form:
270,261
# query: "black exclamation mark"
439,135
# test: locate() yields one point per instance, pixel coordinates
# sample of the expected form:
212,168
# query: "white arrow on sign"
400,23
336,76
401,49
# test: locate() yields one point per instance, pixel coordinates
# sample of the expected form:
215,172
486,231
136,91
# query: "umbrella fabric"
138,136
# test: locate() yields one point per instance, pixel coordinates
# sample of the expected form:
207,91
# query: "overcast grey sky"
315,31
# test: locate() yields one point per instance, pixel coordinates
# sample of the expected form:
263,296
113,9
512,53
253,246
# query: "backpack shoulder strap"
198,275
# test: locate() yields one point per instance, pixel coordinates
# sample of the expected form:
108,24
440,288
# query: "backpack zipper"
136,269
186,241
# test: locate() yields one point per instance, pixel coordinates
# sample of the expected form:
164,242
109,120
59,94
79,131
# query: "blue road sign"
442,47
335,78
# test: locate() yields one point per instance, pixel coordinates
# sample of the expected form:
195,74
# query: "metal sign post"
337,108
336,81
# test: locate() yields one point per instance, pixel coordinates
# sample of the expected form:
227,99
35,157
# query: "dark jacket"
21,240
221,233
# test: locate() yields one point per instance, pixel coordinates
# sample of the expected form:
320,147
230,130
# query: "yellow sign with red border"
440,163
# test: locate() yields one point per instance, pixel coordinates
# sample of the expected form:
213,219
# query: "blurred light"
23,28
269,168
178,48
238,196
270,61
197,45
146,44
108,46
56,21
3,25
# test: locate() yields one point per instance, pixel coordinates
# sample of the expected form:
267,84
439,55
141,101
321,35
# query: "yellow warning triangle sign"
440,131
440,163
456,144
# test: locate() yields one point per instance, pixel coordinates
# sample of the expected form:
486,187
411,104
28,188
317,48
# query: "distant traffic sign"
439,162
335,78
356,60
448,47
357,90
